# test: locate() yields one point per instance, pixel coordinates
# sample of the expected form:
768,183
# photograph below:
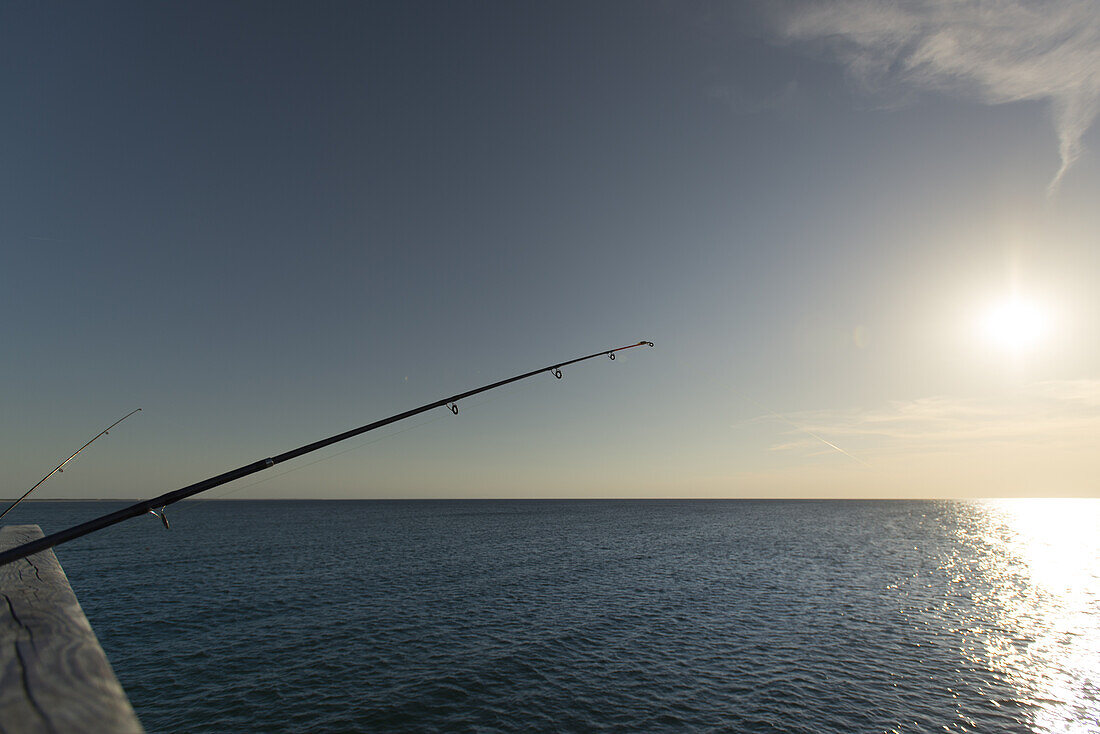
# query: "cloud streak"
1062,415
996,51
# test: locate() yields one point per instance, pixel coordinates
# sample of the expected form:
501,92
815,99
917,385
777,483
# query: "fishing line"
193,503
479,404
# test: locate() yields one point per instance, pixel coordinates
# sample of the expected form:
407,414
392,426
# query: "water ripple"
746,616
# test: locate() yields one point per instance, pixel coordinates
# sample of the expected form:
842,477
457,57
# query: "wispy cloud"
996,51
1063,415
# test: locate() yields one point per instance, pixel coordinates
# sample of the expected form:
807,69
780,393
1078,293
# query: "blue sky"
265,222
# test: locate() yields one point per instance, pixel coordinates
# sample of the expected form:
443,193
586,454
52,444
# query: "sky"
862,236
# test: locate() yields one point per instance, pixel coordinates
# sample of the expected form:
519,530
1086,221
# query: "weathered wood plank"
54,676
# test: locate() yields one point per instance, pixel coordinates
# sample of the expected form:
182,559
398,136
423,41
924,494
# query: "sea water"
740,616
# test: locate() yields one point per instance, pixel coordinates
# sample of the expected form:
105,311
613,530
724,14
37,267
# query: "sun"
1016,324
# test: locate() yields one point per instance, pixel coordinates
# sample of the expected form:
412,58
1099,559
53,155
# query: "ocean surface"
482,616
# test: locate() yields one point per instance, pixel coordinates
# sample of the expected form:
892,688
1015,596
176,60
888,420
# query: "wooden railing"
54,676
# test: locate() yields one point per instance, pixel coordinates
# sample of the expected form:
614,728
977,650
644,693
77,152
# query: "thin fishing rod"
156,505
66,461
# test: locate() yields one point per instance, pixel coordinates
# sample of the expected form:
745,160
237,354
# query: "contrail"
806,431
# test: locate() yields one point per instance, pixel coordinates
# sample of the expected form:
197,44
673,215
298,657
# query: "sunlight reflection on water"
747,616
1040,560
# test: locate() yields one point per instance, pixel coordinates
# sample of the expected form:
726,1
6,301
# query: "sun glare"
1015,324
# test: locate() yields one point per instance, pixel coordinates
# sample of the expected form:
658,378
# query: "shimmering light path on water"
754,616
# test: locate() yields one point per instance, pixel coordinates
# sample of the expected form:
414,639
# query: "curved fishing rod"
66,461
156,505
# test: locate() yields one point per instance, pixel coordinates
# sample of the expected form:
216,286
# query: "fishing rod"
58,469
156,505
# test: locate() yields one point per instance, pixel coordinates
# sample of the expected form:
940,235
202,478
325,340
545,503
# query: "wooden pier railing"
54,676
